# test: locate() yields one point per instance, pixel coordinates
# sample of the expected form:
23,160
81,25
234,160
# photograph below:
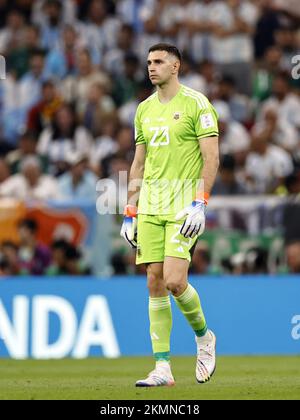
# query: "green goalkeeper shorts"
159,237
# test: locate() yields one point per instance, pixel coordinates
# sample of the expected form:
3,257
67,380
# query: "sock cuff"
187,295
159,303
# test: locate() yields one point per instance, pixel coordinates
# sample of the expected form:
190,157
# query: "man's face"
161,67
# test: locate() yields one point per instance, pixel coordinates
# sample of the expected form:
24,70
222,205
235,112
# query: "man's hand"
129,226
194,223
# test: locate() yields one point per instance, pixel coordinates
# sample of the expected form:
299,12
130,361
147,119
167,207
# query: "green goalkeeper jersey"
173,157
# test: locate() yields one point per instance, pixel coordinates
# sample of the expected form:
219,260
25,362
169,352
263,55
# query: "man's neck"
168,91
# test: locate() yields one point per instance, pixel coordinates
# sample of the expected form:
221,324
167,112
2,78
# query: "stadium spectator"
96,109
63,137
79,182
27,146
234,138
34,256
267,165
41,115
293,257
286,103
61,61
9,259
77,87
30,183
227,182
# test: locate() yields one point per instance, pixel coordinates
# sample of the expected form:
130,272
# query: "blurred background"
75,73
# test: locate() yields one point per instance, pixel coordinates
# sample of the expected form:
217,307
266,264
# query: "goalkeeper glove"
194,223
129,226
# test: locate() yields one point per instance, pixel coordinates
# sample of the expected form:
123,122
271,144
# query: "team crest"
176,115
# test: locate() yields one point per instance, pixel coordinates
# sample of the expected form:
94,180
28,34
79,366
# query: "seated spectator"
96,109
201,260
126,85
227,182
9,259
41,115
286,103
61,61
267,165
66,260
265,72
27,147
77,87
30,183
234,138
239,105
281,132
18,58
34,256
105,144
30,84
293,257
62,138
79,182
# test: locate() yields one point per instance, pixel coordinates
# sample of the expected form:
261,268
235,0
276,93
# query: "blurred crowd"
76,71
30,257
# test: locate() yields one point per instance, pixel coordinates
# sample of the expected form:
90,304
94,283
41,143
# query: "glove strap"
130,211
202,196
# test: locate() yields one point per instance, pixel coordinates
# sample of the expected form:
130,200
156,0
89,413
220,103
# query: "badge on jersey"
176,116
207,121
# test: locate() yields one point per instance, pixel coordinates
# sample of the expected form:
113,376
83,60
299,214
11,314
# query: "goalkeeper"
176,135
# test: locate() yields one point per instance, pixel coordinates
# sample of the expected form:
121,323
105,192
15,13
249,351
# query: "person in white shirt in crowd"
198,26
232,45
282,132
63,137
30,183
286,103
76,88
267,165
234,138
39,17
100,31
105,144
12,35
78,183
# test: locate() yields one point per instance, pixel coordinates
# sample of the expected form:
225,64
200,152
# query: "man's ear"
176,66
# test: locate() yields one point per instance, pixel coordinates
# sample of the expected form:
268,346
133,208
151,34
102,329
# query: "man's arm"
136,174
210,152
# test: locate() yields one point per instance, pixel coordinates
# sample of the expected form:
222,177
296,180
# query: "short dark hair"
171,49
30,224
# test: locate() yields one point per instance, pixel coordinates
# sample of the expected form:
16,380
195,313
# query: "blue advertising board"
54,318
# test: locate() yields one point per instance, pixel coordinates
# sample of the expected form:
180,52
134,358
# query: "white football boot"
160,376
206,357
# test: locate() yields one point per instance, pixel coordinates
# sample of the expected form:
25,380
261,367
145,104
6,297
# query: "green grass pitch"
106,379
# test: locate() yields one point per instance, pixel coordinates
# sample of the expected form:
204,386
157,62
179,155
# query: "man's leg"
151,241
160,316
186,297
188,301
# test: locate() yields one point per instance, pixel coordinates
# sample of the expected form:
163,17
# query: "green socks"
190,306
160,326
160,316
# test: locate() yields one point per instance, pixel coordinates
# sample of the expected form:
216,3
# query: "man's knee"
155,280
175,282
